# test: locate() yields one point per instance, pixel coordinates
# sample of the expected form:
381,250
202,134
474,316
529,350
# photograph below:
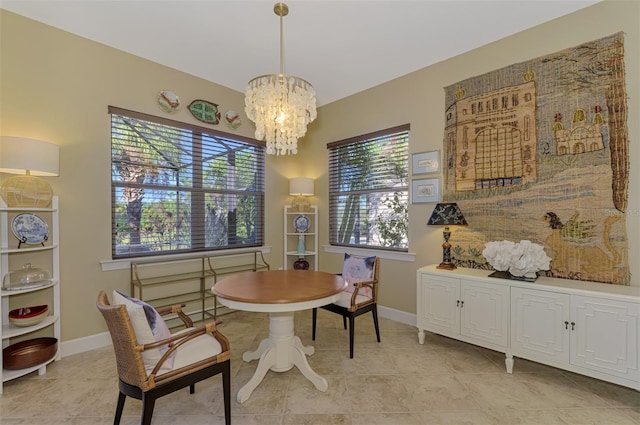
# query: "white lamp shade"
19,154
301,186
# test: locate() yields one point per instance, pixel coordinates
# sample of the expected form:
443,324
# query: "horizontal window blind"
368,190
182,188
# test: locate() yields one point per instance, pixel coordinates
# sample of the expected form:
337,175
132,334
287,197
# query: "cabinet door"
538,328
484,312
605,337
439,312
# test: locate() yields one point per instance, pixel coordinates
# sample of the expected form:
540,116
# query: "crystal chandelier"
280,105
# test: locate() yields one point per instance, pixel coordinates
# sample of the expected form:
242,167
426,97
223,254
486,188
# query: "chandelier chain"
281,44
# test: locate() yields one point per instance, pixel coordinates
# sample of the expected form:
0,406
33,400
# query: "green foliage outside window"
183,189
368,191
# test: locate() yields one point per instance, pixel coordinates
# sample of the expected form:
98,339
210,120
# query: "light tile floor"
397,382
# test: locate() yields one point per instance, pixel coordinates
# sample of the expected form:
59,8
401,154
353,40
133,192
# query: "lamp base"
26,191
446,266
301,204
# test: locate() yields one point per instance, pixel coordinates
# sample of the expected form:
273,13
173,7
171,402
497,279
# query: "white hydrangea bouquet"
523,259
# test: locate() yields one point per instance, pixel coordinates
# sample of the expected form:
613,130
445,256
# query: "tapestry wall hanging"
539,151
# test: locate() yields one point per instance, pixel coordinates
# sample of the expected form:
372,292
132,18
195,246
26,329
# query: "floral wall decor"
539,151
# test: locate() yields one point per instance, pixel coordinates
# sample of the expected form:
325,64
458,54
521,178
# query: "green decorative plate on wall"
205,111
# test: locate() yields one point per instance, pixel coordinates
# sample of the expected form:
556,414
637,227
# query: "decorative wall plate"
301,223
205,111
232,119
30,228
168,101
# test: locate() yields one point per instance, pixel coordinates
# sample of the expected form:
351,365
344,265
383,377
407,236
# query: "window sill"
110,265
391,255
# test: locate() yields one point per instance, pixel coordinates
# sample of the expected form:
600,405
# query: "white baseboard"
92,342
397,315
87,343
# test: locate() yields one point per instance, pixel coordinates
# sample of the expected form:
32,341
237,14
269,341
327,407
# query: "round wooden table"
280,293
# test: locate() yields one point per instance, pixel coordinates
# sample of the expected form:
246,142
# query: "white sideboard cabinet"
584,327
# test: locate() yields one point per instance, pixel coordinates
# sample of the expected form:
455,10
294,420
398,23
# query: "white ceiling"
341,47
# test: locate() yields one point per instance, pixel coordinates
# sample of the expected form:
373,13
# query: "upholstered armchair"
152,362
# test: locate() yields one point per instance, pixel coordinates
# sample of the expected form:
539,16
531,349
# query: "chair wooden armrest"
176,309
358,286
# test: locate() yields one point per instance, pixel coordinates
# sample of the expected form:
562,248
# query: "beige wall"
418,99
56,86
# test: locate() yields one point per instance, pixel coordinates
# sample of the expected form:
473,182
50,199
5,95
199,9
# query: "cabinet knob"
573,326
461,304
458,303
566,324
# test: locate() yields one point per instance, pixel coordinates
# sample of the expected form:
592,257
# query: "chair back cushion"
149,327
358,269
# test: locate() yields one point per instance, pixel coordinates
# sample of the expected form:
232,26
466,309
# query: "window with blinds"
369,190
182,188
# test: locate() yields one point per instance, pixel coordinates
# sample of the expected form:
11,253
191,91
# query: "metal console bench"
188,280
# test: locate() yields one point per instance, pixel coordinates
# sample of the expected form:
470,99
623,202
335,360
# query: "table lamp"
29,158
301,188
446,214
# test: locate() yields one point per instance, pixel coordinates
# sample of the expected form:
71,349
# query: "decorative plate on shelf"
30,228
301,223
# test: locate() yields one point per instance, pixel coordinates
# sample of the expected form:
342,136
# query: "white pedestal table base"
281,351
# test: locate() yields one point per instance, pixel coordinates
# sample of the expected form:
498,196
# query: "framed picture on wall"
425,190
425,162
